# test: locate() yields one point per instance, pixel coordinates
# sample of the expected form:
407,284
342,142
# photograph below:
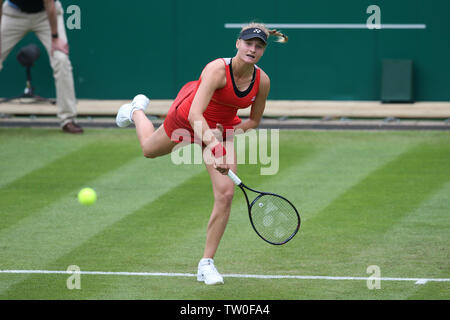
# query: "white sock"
205,261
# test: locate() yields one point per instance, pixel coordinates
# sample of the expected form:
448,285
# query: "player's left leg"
223,190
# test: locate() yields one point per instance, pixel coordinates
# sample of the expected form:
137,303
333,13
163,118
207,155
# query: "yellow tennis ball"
87,196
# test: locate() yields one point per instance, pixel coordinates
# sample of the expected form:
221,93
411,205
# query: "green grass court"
366,198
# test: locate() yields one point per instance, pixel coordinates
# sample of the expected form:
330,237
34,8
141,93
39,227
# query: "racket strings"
274,218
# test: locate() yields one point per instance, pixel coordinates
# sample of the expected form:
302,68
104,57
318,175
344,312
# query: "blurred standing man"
45,18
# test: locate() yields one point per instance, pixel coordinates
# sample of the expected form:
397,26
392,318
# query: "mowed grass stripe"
417,245
173,223
246,251
119,287
316,170
144,240
54,231
368,210
23,151
167,233
312,185
42,187
331,171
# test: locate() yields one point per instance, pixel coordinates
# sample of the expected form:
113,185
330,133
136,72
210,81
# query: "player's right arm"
213,77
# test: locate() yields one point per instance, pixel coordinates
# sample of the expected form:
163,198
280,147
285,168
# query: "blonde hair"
281,37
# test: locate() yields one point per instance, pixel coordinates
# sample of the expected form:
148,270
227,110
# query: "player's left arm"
258,106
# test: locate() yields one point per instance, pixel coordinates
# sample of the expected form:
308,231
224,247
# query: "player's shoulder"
264,78
216,65
215,73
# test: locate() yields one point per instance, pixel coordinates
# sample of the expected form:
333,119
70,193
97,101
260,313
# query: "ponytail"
281,37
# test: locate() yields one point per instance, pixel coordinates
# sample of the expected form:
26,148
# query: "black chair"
26,57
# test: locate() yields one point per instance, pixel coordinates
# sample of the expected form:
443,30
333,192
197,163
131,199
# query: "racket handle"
234,177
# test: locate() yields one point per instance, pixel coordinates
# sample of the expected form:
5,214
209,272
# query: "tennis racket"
273,217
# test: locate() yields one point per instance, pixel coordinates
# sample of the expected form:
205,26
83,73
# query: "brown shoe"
72,128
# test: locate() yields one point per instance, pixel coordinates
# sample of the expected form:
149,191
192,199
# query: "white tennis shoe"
125,114
141,102
208,273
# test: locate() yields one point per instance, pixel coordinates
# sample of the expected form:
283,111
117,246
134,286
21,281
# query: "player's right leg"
125,114
157,143
154,143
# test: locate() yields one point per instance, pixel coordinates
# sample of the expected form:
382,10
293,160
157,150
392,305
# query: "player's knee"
225,196
149,154
153,147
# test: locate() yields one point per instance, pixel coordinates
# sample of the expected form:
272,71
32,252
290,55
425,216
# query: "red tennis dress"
222,108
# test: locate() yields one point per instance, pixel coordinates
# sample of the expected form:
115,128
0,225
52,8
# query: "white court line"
330,26
233,275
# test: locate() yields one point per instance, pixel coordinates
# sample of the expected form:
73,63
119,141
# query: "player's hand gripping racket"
273,217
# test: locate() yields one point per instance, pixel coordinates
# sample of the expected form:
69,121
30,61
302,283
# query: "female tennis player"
206,109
